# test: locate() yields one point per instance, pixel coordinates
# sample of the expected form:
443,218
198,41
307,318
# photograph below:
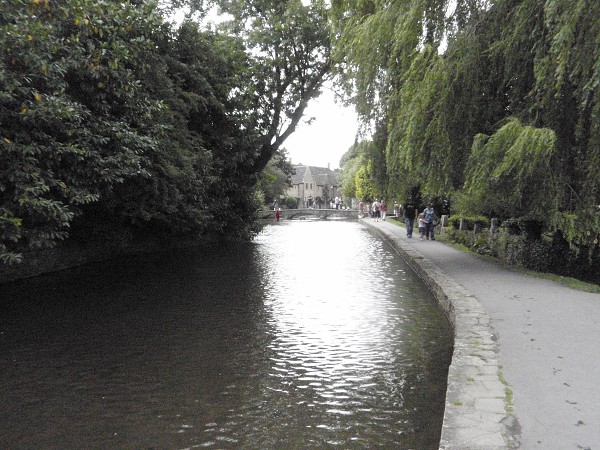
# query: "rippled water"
316,335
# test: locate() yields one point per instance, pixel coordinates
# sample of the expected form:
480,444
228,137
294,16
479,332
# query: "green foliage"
520,251
580,229
510,174
110,119
469,221
113,121
506,120
274,179
348,178
376,42
350,164
73,123
291,202
513,244
365,190
289,47
419,150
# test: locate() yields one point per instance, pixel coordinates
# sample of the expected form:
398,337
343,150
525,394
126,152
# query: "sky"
327,138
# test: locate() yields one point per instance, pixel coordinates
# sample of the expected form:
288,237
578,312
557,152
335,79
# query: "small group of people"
339,203
426,221
377,210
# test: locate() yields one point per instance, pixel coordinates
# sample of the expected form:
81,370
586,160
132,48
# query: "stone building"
314,186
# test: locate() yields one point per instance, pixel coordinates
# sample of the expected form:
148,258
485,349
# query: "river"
314,335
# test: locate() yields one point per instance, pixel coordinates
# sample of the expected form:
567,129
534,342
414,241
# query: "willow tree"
418,150
516,87
388,57
547,56
510,174
350,163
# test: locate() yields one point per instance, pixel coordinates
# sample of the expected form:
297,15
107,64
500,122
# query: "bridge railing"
321,213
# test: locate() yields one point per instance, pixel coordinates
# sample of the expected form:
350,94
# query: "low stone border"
478,408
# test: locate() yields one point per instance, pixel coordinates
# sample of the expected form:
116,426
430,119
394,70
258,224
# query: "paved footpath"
548,337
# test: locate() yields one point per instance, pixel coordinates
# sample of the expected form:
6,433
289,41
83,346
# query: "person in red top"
383,209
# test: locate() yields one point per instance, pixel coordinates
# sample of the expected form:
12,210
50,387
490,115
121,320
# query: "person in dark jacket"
410,213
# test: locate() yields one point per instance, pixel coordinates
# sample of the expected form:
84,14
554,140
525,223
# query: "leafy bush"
481,245
531,229
291,202
514,244
459,237
470,221
519,250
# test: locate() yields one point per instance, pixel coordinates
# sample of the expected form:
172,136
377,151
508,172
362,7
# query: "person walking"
376,211
422,225
410,213
383,209
430,222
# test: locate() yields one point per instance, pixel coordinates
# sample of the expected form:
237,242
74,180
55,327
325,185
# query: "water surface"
315,335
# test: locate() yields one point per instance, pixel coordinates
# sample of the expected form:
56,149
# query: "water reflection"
313,336
350,327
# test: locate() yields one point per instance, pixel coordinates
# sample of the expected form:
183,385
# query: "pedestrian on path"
430,222
383,209
410,213
422,226
376,211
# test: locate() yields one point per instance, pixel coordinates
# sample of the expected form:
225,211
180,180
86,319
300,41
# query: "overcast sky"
327,138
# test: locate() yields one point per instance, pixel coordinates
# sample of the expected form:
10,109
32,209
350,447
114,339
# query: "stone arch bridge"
298,214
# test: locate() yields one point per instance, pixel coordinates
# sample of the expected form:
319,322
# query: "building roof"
298,174
322,175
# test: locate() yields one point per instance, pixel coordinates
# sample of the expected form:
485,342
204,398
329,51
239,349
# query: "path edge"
478,408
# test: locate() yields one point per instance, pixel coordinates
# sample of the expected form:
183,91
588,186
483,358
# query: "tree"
72,123
198,181
350,163
510,173
365,190
524,74
275,178
289,48
113,121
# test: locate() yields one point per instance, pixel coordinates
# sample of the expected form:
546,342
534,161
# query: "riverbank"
523,372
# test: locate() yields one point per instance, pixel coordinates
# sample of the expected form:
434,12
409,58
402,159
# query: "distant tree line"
115,122
491,106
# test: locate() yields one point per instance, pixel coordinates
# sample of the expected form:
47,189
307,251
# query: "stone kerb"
477,412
